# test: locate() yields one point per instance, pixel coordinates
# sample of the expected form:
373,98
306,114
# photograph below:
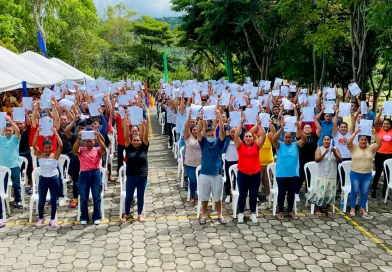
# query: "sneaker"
29,191
240,218
18,205
53,224
2,223
227,200
83,222
39,222
297,199
73,204
97,222
62,201
253,217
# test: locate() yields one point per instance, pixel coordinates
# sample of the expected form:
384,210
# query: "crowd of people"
236,128
328,139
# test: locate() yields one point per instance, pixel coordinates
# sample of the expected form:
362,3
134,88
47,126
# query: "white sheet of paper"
70,97
46,125
235,117
293,88
364,108
331,93
45,101
66,103
286,104
3,120
284,91
136,115
209,113
329,107
121,111
290,124
197,98
213,100
308,113
267,85
278,81
387,105
255,103
264,118
250,116
123,100
98,98
93,109
195,111
354,89
225,98
262,100
366,127
18,114
312,100
253,92
302,98
88,135
27,102
239,97
344,109
275,92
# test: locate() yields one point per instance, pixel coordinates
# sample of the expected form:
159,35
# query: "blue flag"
41,44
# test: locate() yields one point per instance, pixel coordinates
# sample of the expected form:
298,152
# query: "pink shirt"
89,159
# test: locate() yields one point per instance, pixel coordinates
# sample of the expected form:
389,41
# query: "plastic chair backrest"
104,174
272,168
182,153
3,171
388,168
312,167
174,132
35,179
197,176
233,170
346,166
63,168
23,160
112,142
121,176
34,158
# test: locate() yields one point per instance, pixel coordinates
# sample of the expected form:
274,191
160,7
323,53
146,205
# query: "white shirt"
48,167
171,116
231,154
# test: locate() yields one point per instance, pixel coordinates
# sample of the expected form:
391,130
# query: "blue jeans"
15,177
359,183
248,183
191,172
60,193
52,184
90,180
139,183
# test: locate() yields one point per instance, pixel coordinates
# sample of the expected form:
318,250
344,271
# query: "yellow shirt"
362,159
265,154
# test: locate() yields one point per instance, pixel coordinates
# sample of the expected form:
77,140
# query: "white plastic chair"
35,196
4,196
122,178
223,168
33,158
163,114
312,168
180,166
274,190
103,175
388,166
105,180
112,148
23,178
175,143
64,160
346,189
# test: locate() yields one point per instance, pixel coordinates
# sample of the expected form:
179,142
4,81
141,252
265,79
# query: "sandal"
318,213
192,201
293,216
330,214
124,218
365,215
352,214
222,221
141,218
280,216
202,221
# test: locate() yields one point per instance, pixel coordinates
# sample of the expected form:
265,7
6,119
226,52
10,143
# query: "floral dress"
323,191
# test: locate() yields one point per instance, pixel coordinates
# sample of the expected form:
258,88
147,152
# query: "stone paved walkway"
171,239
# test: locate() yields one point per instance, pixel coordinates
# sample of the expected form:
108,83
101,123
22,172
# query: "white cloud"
153,8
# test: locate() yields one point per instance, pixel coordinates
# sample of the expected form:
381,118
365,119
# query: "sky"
152,8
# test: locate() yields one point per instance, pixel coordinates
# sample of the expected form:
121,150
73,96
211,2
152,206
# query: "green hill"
172,21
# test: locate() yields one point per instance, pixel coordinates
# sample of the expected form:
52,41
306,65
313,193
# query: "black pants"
29,169
286,185
379,163
75,168
169,128
248,183
120,157
228,183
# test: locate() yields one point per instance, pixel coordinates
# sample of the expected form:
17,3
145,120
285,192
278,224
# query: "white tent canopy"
25,70
65,65
9,82
40,60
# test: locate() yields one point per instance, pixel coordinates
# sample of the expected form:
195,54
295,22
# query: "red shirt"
120,131
248,159
40,140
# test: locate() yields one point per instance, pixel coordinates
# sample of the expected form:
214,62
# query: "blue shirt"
287,163
211,156
326,129
372,116
9,150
